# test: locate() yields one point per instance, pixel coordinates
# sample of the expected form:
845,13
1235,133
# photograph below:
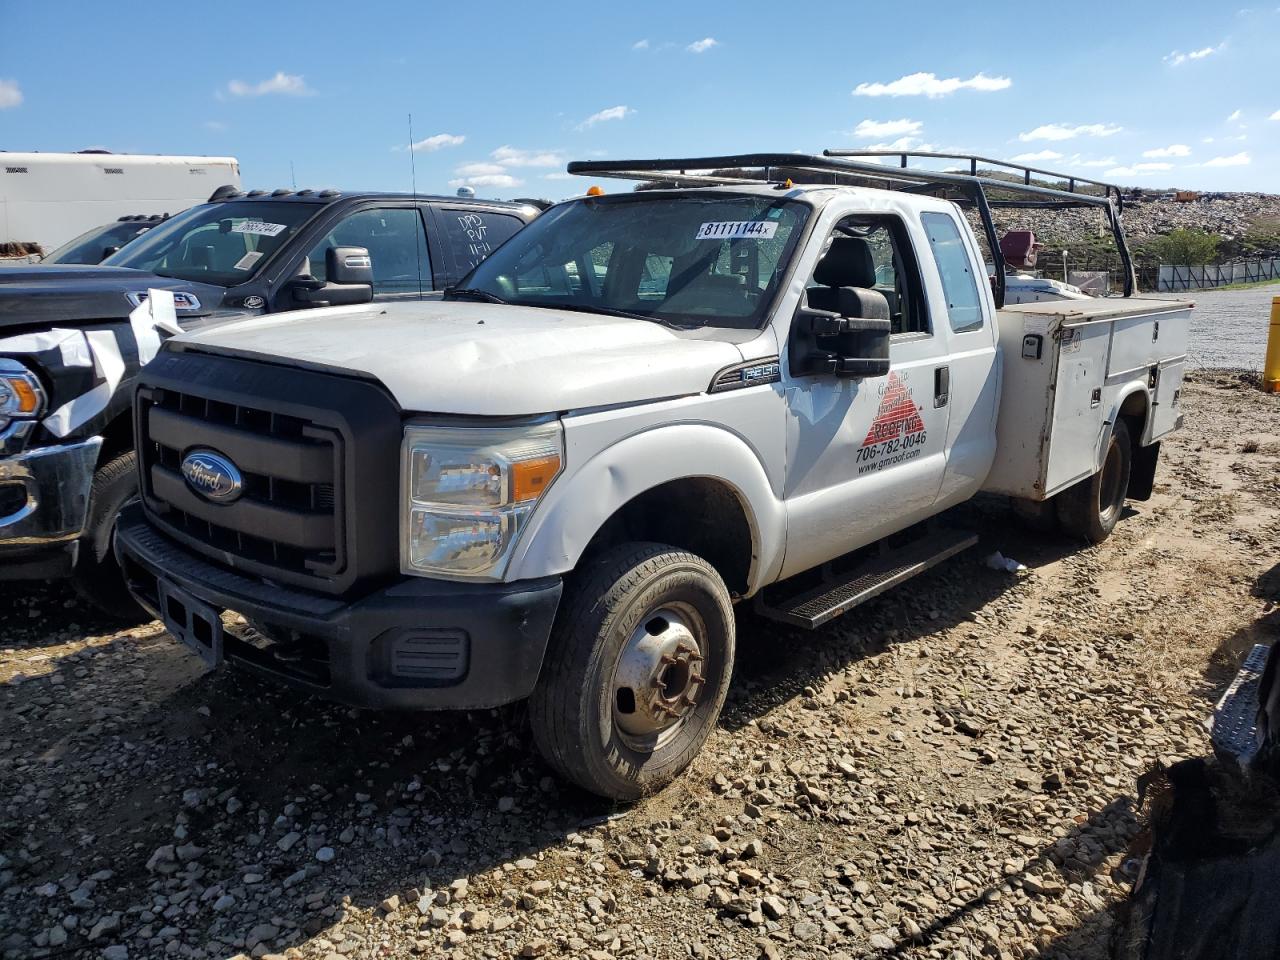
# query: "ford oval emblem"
212,476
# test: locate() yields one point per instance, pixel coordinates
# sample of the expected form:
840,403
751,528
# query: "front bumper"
44,501
417,644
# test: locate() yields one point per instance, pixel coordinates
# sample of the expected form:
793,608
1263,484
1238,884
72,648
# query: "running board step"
837,595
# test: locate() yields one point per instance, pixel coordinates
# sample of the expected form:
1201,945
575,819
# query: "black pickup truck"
69,350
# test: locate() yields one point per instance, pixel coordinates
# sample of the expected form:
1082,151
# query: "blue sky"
503,94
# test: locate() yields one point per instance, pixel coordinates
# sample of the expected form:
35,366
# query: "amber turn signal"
529,478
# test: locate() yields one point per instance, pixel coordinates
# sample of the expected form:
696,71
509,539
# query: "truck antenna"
413,181
293,177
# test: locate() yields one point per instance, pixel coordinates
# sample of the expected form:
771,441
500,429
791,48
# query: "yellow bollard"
1271,372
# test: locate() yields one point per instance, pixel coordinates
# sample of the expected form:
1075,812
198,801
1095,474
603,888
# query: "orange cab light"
788,183
529,478
594,191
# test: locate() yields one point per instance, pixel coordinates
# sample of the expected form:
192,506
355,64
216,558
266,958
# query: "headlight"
21,396
468,493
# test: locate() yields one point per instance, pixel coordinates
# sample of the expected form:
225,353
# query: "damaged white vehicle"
640,411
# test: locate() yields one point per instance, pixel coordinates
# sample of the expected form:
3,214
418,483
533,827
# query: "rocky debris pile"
1229,215
946,773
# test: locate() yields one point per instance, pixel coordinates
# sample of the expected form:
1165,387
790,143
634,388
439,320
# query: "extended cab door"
866,456
955,272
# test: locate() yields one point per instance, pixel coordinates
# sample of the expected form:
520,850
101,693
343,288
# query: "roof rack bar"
675,169
904,157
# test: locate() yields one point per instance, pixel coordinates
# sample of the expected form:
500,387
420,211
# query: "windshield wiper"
475,292
607,311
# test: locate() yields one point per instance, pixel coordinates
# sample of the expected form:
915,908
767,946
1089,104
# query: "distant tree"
1185,247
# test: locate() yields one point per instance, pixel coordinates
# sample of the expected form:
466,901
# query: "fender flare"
1121,398
578,505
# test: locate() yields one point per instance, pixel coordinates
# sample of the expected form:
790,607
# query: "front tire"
636,671
97,577
1089,510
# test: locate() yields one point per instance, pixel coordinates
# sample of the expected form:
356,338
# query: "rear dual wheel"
1090,509
637,670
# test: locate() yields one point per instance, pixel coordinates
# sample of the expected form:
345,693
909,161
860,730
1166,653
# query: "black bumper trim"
506,625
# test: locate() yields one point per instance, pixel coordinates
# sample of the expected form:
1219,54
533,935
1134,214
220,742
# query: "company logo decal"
897,434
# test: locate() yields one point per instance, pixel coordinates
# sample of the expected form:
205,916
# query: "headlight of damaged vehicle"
467,494
21,396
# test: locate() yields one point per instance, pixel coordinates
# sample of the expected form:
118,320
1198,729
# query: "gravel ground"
1229,327
947,772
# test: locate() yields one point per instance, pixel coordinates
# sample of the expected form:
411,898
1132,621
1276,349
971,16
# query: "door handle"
941,386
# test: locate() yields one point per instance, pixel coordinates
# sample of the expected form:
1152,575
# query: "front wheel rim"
659,677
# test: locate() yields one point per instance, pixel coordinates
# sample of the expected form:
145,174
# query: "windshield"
699,259
222,243
88,247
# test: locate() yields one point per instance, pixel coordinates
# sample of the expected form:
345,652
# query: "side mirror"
348,265
350,280
840,342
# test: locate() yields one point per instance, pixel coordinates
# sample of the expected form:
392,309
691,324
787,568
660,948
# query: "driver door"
866,456
397,243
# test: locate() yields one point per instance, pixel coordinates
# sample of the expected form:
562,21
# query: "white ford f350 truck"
640,410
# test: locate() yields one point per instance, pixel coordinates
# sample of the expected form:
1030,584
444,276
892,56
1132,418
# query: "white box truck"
48,198
641,410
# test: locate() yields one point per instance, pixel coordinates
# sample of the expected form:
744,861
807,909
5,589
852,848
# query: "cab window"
875,254
955,267
397,245
474,234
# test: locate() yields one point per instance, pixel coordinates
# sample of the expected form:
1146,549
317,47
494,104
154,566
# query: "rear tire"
637,670
1089,510
97,577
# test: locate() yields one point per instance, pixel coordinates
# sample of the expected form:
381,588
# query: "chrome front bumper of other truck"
44,498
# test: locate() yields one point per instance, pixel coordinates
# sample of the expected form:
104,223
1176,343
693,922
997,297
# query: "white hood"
460,357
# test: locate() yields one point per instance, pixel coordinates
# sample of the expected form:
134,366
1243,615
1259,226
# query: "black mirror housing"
346,266
835,343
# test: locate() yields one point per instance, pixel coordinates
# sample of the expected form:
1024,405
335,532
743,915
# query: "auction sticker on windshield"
248,260
738,230
259,228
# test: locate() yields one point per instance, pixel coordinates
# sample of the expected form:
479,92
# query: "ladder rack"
859,167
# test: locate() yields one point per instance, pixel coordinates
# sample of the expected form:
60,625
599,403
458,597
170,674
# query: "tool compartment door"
1076,425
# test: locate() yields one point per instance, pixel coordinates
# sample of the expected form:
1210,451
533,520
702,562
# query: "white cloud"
515,157
1235,115
611,113
1173,150
1078,161
640,45
559,175
1060,131
1138,170
929,85
436,142
1177,58
291,84
479,169
217,126
1276,115
487,180
10,94
868,129
1235,160
903,143
1038,156
703,45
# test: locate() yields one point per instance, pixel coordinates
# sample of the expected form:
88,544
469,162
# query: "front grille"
303,441
287,515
